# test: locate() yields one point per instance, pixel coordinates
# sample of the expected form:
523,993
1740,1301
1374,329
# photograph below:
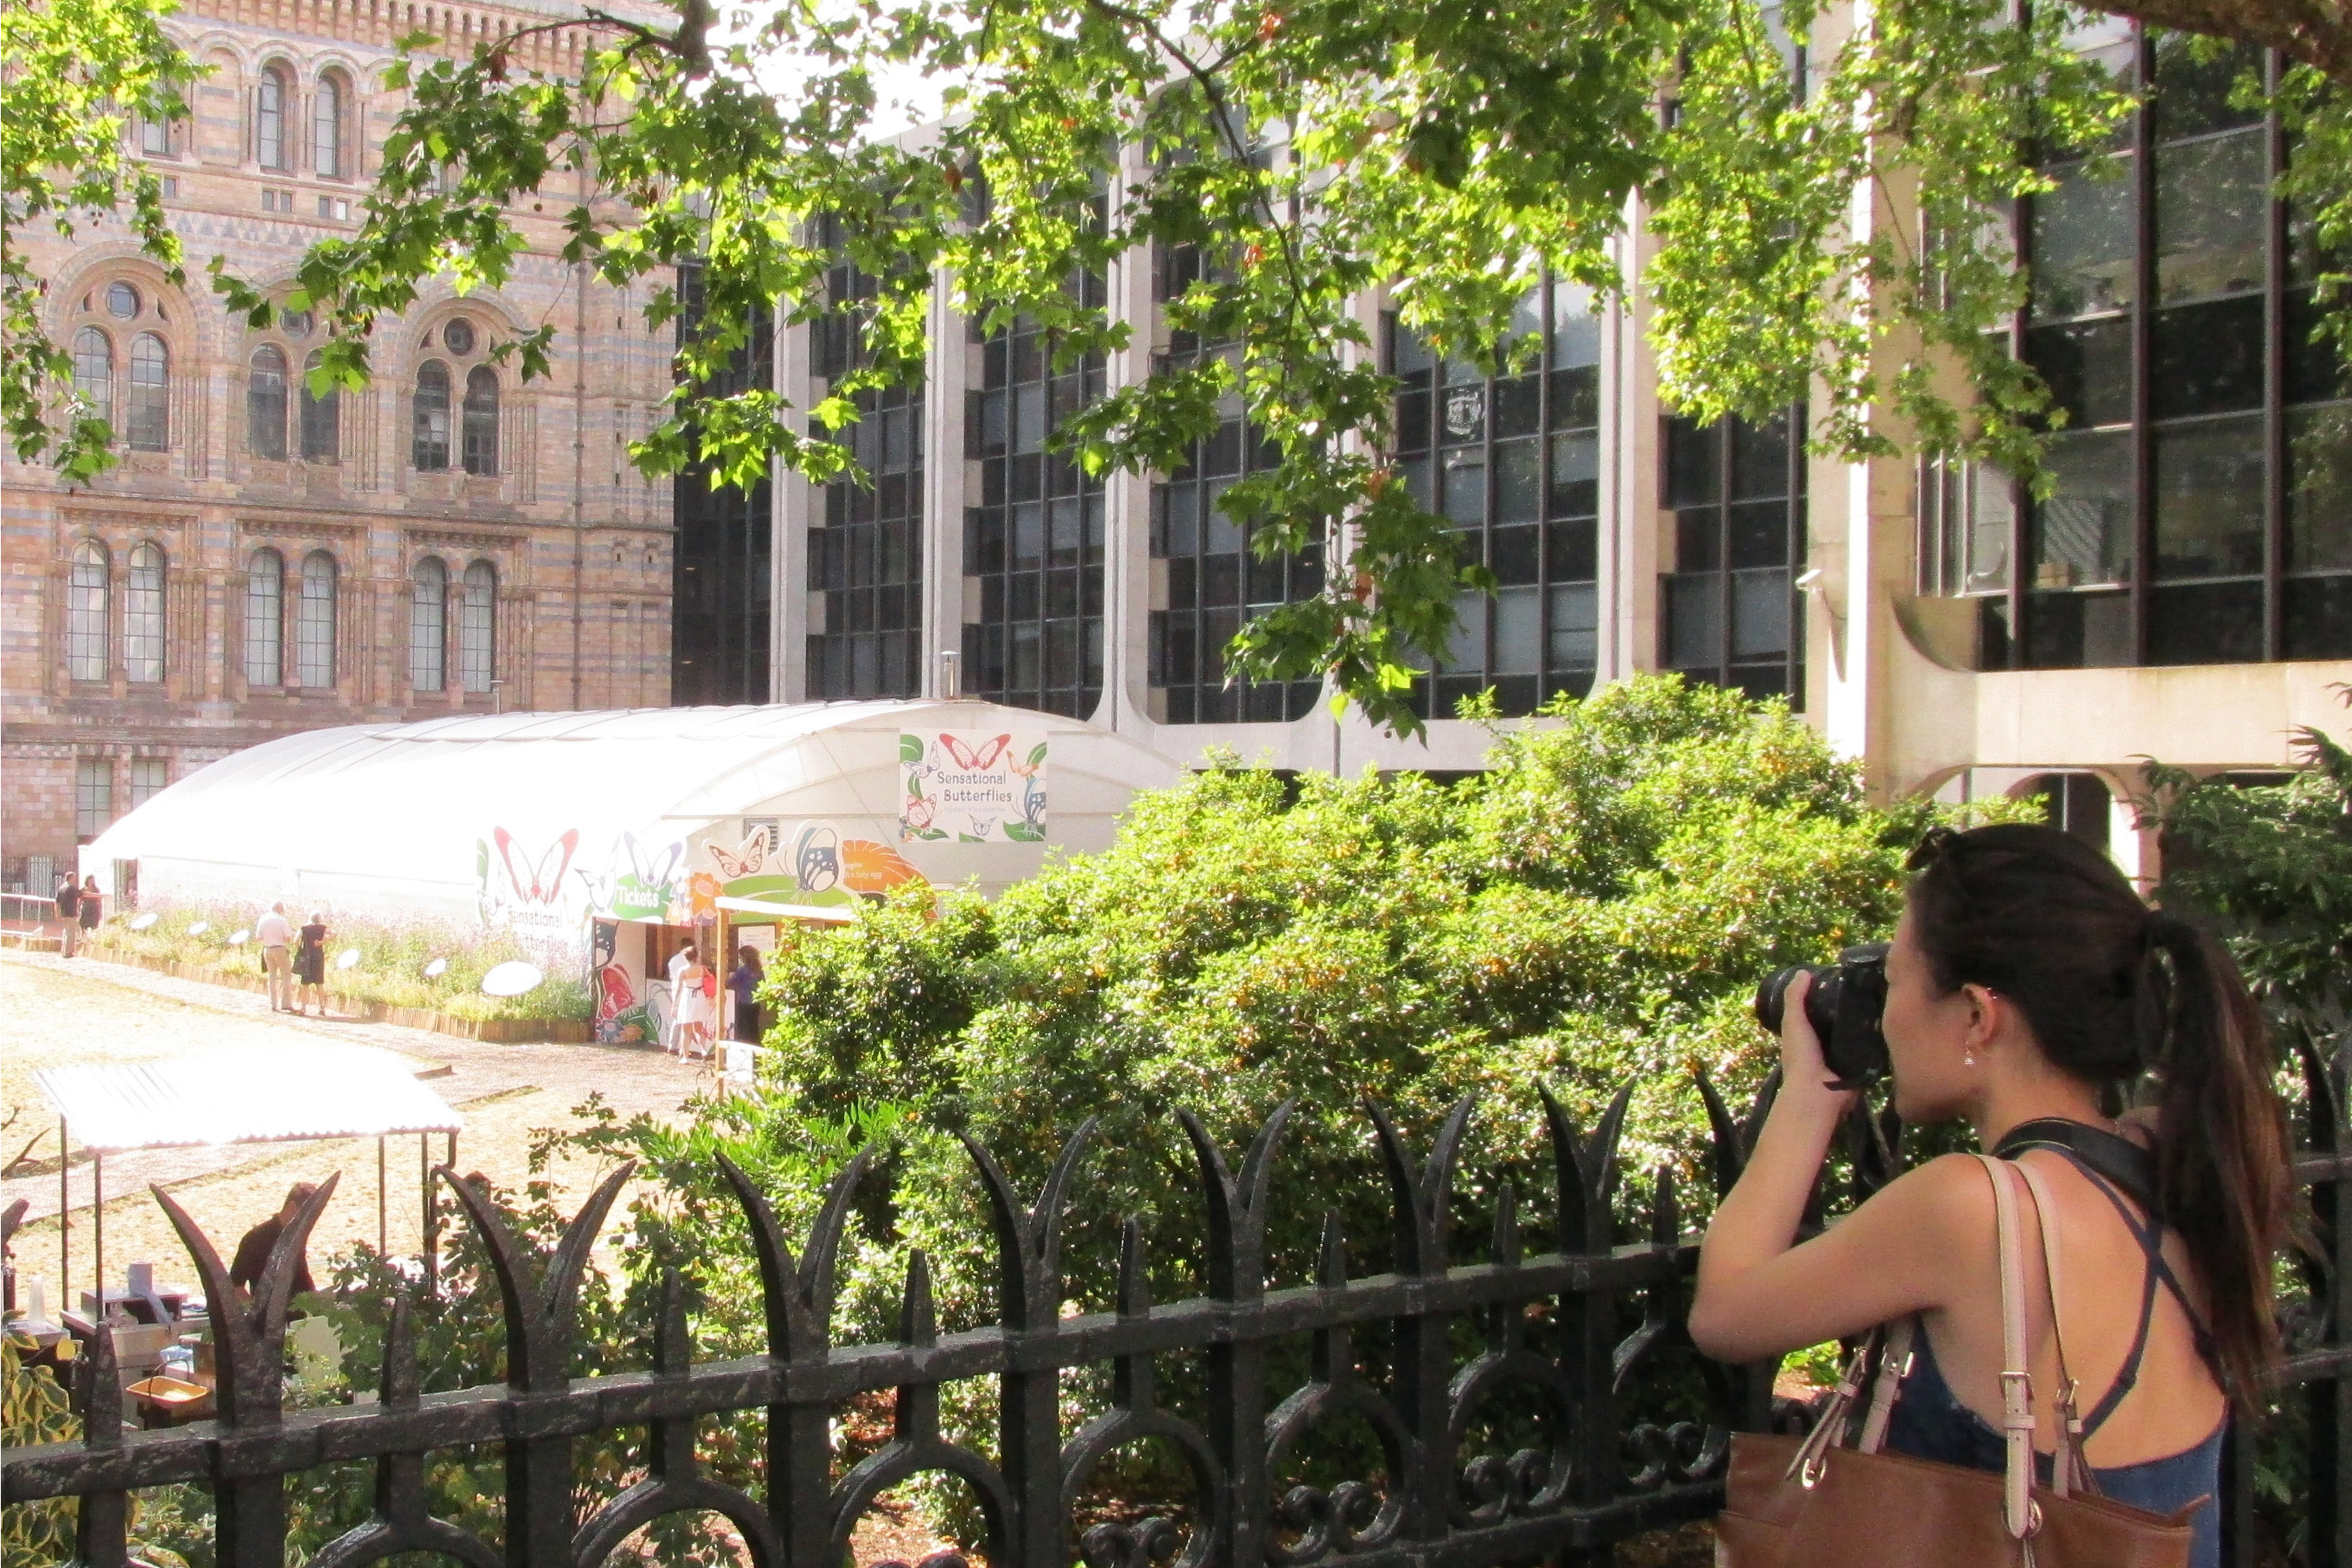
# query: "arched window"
86,616
270,101
322,418
150,395
265,402
428,625
94,371
265,620
477,626
142,614
482,420
314,622
429,447
327,128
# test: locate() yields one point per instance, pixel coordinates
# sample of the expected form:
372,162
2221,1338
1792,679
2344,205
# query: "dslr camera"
1847,1007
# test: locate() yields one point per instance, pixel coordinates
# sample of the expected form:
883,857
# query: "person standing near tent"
93,906
691,1005
253,1252
678,963
310,965
68,915
744,984
275,935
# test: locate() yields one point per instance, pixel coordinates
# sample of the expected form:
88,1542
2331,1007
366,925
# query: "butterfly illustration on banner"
742,861
536,879
974,758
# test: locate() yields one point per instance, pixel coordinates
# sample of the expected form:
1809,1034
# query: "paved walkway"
55,1010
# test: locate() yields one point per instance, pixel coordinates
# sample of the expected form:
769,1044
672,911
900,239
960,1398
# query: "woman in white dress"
691,1010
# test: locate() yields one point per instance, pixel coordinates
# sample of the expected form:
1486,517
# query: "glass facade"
721,581
865,544
1034,544
1729,611
1214,580
2202,512
1512,462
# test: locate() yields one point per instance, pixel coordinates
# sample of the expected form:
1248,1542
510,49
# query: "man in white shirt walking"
275,933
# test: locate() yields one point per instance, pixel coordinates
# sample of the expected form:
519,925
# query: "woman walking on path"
693,1014
310,965
2032,994
93,904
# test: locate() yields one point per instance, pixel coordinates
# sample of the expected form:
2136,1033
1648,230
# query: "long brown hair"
2116,992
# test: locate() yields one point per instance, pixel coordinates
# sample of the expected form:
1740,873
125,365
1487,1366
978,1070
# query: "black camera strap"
2118,1158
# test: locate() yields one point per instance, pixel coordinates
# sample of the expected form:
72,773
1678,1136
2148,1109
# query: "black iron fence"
1435,1491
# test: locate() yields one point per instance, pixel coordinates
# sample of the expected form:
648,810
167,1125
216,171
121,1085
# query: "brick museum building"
261,561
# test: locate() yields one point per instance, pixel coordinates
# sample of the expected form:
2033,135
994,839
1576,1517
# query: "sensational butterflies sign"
972,786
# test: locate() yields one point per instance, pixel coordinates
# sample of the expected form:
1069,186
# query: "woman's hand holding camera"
1805,1073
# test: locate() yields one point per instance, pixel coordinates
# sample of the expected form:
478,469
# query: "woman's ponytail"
2118,994
2221,1138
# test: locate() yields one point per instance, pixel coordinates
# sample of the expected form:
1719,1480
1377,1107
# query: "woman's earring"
1967,1058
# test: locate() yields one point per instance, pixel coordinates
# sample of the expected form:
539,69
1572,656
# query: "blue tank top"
1930,1423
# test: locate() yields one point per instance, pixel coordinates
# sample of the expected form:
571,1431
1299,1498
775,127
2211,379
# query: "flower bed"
387,985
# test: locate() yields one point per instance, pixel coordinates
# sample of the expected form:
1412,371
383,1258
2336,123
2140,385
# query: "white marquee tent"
537,822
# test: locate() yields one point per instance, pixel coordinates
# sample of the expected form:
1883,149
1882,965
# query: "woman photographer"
2027,989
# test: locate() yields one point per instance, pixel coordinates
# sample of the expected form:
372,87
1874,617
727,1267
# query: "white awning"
247,1095
826,915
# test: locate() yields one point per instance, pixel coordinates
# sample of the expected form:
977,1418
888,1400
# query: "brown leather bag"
1812,1503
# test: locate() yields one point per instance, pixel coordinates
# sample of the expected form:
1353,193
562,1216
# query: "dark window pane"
2087,366
1760,614
2206,359
1575,475
1759,458
1693,621
2077,631
1694,463
2194,86
1760,534
1575,397
1573,552
2083,241
2209,483
1518,475
2083,534
2212,216
1465,487
2319,489
1575,628
1511,554
1412,420
1698,540
1518,631
1220,580
1517,406
2318,619
2212,622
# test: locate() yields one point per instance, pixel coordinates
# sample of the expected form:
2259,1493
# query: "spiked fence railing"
1592,1479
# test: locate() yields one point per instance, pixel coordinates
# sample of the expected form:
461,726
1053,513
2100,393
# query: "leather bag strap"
2018,1512
1894,1363
2073,1471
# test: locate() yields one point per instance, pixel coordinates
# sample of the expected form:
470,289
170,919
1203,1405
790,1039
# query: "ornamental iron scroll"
1579,1335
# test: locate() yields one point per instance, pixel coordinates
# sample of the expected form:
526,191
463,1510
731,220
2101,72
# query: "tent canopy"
553,811
245,1095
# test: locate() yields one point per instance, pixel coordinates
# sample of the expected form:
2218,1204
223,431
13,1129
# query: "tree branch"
2318,33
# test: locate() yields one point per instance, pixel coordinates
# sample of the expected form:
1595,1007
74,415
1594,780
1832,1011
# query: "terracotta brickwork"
260,562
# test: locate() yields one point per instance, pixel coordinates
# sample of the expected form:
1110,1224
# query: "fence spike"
1134,1279
917,1328
1028,1241
1728,1151
1585,1169
1422,1197
1666,1212
538,1312
673,1350
1507,1225
401,1383
1236,1209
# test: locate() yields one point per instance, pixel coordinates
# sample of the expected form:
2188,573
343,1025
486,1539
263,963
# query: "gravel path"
80,1010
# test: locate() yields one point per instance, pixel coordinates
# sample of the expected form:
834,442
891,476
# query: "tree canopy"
1817,209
